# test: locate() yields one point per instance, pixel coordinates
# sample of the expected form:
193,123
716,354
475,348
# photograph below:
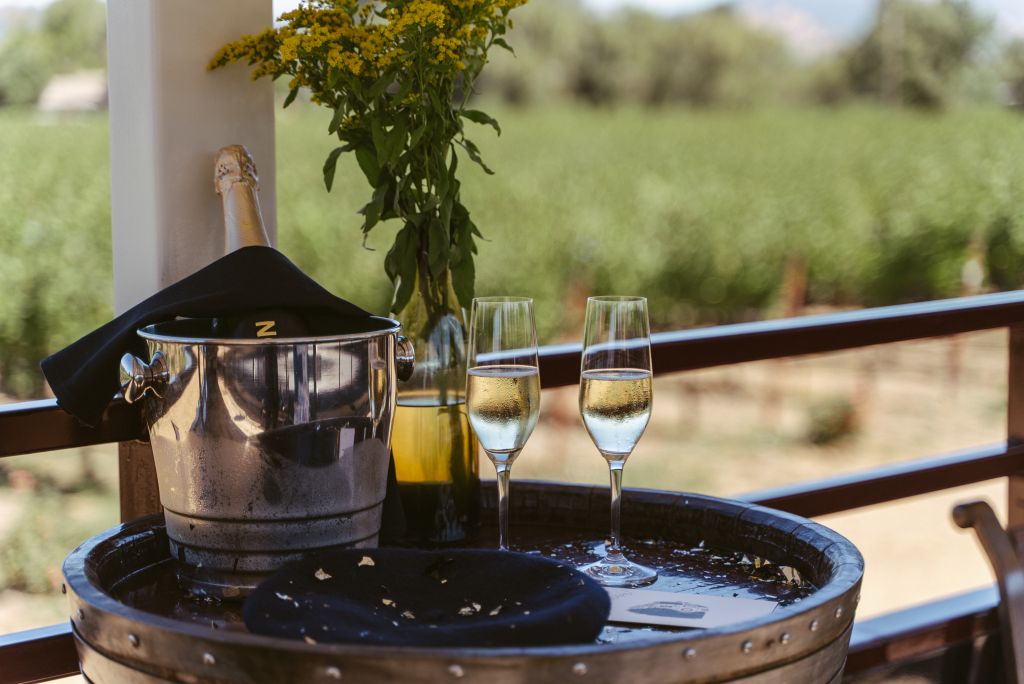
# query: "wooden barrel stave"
816,630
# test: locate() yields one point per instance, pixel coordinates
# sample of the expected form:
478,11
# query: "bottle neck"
236,181
243,222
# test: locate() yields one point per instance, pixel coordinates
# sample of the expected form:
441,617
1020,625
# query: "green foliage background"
70,35
699,211
674,157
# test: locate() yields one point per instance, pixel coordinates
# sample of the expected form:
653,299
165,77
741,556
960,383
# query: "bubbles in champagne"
616,405
504,402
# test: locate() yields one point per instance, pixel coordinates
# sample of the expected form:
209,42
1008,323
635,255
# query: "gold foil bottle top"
234,165
235,179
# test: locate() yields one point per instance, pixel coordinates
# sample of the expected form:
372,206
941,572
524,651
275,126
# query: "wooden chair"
1003,550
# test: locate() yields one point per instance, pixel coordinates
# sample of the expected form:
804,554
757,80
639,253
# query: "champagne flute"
615,401
502,386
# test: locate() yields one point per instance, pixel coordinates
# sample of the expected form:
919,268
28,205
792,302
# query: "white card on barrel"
645,607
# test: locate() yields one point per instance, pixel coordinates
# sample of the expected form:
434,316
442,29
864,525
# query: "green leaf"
433,201
371,212
395,143
400,265
437,247
379,86
443,185
446,214
453,165
368,163
417,134
500,42
339,114
331,164
379,139
474,153
463,277
394,255
403,91
389,205
463,227
442,109
291,97
405,203
476,116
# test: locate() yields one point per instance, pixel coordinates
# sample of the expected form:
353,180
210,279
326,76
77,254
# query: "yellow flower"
290,48
333,46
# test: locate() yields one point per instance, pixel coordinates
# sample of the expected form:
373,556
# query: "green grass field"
697,210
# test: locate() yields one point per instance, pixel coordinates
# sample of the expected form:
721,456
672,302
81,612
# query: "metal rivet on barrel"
332,672
81,614
690,653
579,669
784,639
456,671
63,588
208,659
814,625
133,640
839,612
748,646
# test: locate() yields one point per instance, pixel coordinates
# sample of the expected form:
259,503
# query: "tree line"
916,53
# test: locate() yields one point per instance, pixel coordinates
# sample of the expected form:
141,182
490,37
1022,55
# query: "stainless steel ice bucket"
266,449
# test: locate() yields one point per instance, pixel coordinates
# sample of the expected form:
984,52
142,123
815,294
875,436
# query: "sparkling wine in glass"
615,401
503,386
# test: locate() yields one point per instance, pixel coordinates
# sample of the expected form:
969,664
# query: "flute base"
615,571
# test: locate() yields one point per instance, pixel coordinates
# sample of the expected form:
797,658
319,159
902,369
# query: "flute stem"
503,469
615,472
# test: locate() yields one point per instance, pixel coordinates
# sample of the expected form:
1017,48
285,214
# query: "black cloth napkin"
84,375
409,597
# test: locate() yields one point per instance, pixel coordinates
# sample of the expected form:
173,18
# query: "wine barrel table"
133,624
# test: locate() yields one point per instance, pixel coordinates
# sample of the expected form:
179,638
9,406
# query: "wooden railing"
47,653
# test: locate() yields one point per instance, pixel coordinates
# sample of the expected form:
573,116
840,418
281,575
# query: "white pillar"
168,118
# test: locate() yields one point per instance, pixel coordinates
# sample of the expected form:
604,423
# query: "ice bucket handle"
405,358
139,377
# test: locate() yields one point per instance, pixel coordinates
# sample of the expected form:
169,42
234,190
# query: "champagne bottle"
237,183
434,446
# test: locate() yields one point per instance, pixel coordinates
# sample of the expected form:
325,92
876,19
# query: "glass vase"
434,447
